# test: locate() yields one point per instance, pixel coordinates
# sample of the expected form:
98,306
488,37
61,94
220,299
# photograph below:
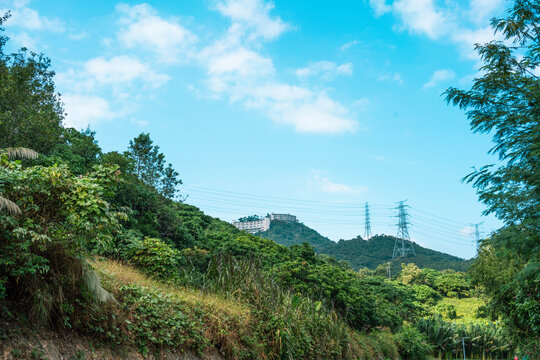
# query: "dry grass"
126,274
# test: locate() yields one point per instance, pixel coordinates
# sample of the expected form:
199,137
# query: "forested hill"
358,252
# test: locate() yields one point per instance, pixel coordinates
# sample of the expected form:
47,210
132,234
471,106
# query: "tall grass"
294,326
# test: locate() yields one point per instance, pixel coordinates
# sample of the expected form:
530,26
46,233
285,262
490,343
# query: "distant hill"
361,253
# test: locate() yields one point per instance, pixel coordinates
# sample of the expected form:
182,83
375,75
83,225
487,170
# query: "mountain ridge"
361,253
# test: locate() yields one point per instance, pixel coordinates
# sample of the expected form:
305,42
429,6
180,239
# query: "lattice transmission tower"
477,234
403,244
367,230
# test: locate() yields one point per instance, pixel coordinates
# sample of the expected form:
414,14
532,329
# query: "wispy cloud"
141,26
253,17
438,77
236,67
321,183
86,103
27,23
27,18
380,7
443,20
349,45
122,69
238,70
83,110
326,69
395,77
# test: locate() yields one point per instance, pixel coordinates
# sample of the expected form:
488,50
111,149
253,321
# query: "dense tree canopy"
505,101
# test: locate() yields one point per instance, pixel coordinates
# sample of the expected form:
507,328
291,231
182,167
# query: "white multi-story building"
283,217
253,226
263,224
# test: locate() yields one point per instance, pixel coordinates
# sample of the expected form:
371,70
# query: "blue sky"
284,106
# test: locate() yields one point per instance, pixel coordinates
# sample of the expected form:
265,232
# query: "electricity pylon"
403,244
477,234
367,231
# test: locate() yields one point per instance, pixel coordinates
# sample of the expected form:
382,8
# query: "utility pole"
477,234
403,244
367,231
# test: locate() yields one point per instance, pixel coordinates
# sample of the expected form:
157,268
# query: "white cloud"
466,231
361,104
141,26
85,110
78,36
396,77
438,77
254,18
349,44
121,69
315,114
325,68
444,20
466,38
238,71
240,61
482,9
22,39
420,16
30,19
320,182
380,7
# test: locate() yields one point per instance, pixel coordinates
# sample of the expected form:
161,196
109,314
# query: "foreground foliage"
505,101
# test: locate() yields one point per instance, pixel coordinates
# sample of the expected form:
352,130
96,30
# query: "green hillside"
358,252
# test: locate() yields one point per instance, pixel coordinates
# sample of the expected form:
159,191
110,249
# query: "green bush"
426,294
42,249
447,311
412,344
156,258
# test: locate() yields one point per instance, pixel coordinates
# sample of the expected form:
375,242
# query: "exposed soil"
20,342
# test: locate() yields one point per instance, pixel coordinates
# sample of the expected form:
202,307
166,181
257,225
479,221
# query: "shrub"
156,258
426,294
447,311
412,344
42,250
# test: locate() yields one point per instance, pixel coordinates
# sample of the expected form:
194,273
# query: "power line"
274,198
439,217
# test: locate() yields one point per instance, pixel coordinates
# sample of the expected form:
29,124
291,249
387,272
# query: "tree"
250,218
149,166
169,182
31,113
79,149
506,101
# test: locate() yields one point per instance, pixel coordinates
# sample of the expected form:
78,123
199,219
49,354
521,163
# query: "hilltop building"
283,217
253,226
263,224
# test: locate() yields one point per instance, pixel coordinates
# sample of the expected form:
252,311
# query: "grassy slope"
226,324
465,308
358,252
